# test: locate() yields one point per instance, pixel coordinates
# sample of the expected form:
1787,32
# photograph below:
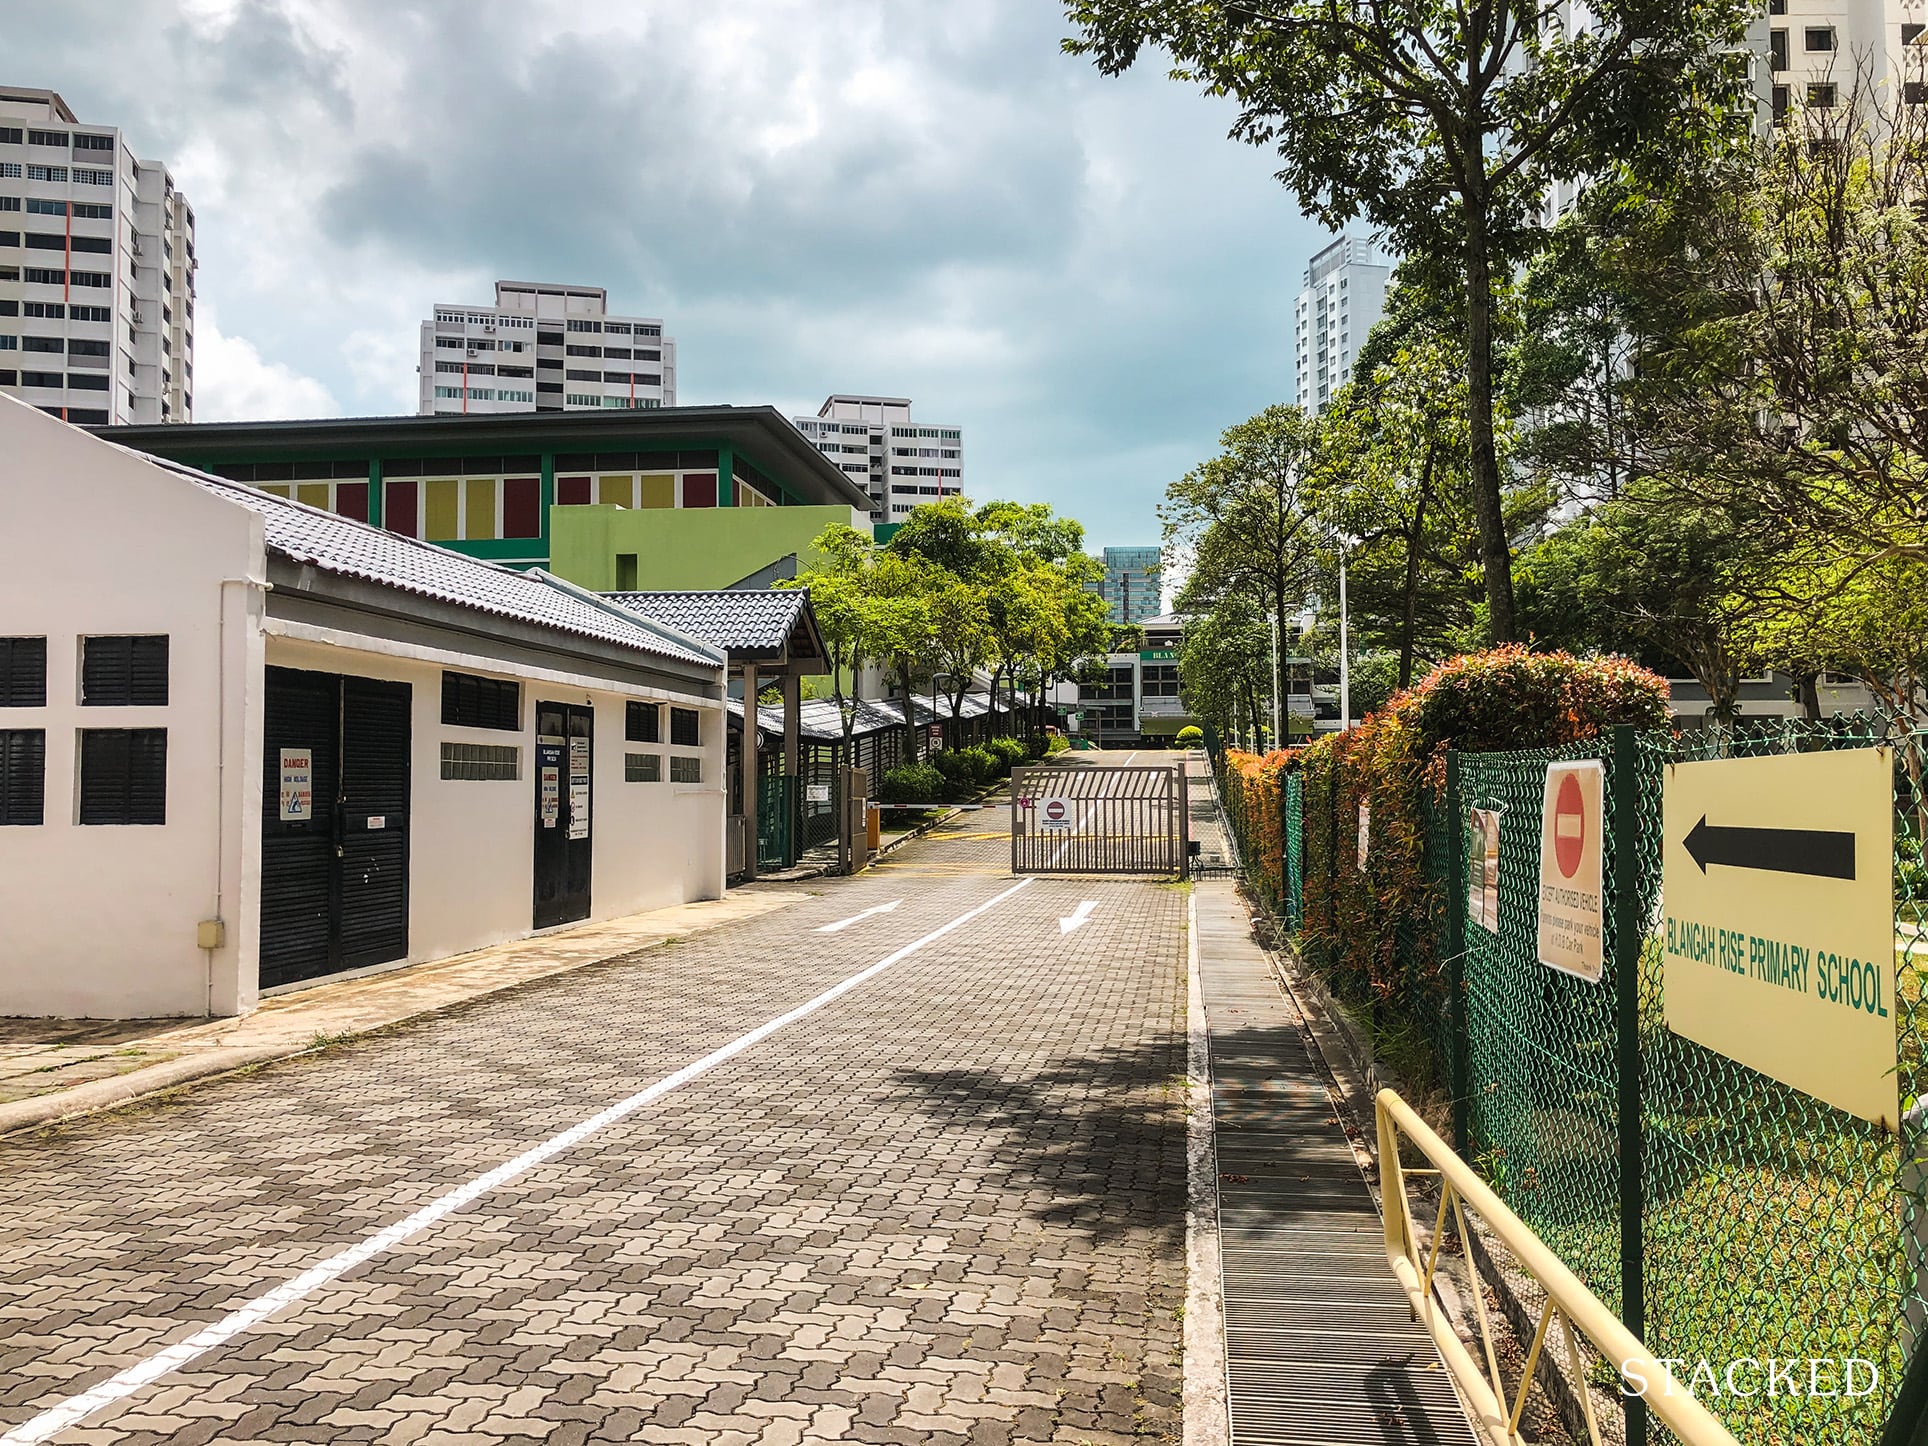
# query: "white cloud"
233,382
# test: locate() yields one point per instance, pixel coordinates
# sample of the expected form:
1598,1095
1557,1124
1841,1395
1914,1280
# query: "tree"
1247,516
1441,122
1225,666
1663,582
1390,468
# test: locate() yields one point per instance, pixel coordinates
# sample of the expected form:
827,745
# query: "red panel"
699,489
522,506
572,491
351,500
400,504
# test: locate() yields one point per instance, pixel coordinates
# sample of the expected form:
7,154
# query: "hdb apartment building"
96,270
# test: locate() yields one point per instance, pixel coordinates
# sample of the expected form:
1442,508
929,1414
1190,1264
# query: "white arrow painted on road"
843,924
1080,916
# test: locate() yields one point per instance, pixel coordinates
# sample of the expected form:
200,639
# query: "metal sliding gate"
1099,819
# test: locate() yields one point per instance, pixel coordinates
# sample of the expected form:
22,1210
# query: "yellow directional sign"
1778,919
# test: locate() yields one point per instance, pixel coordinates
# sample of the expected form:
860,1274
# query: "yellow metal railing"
1569,1305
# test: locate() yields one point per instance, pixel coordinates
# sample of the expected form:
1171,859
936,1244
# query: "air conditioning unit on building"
490,328
138,318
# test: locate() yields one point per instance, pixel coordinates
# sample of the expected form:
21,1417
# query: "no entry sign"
1054,813
1572,924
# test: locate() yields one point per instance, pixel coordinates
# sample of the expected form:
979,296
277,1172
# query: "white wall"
472,842
101,920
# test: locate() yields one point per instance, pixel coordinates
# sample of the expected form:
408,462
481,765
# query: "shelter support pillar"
748,756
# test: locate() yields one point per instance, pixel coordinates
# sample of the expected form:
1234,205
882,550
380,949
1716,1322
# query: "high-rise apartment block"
96,270
901,463
544,348
1819,51
1130,586
1343,298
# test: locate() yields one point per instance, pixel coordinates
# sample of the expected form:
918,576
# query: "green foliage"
1009,752
1367,920
912,783
1053,743
1190,736
1441,125
965,770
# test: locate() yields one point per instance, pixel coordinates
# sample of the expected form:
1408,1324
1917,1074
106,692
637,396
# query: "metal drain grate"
1321,1349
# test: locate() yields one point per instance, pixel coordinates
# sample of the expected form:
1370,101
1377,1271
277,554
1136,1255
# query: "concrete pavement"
946,1205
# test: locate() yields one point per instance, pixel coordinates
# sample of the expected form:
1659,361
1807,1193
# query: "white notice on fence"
1572,924
816,793
1483,870
1054,813
297,784
1365,832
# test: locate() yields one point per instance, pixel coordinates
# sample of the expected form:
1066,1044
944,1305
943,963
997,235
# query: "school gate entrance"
1099,819
334,825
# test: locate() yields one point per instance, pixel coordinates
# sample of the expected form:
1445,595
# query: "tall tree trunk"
1807,686
910,715
1484,466
1409,623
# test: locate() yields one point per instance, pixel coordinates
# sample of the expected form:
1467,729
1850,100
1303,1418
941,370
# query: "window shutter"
643,722
23,776
23,672
124,672
123,776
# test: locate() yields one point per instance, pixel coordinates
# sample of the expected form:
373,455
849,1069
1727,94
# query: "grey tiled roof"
817,718
746,621
354,549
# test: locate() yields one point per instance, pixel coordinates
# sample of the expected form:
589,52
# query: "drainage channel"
1321,1348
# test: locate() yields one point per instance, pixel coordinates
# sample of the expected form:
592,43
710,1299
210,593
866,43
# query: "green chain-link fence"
1725,1215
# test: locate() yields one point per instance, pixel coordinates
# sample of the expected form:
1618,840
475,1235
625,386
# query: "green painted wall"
682,547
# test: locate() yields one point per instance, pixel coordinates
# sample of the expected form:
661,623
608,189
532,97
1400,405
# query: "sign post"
1572,926
1779,930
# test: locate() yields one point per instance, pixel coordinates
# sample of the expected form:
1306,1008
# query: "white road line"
1079,916
76,1409
842,924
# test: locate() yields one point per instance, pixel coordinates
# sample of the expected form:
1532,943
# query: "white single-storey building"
246,744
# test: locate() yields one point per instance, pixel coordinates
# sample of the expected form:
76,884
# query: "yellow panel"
659,489
619,490
315,494
277,489
439,522
479,520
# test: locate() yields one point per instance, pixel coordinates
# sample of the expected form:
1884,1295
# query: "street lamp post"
934,678
1345,653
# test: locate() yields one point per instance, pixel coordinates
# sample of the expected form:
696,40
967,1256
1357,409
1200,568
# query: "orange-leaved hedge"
1374,928
1252,784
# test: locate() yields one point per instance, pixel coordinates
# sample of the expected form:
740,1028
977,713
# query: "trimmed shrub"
983,764
1190,736
1009,752
913,783
1374,929
1054,743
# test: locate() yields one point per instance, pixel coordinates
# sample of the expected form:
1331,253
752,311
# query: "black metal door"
298,907
334,830
373,828
565,740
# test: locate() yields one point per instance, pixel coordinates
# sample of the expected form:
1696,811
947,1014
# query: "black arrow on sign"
1818,853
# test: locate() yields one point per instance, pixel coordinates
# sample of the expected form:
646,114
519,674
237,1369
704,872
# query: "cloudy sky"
921,198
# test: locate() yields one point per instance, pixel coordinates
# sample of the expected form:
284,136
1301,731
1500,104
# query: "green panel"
725,478
682,548
375,498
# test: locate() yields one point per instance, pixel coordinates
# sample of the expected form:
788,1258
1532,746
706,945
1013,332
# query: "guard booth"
1100,819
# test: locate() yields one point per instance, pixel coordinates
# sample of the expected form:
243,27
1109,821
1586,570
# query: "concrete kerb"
1206,1394
207,1063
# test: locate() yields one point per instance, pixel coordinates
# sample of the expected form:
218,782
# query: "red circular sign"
1055,810
1569,838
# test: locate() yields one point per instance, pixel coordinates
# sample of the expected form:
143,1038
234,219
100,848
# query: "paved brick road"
948,1207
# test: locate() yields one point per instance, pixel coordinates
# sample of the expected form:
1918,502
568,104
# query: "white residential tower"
96,270
902,463
1343,298
544,348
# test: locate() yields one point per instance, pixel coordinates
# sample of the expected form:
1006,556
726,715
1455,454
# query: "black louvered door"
334,827
564,746
374,822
